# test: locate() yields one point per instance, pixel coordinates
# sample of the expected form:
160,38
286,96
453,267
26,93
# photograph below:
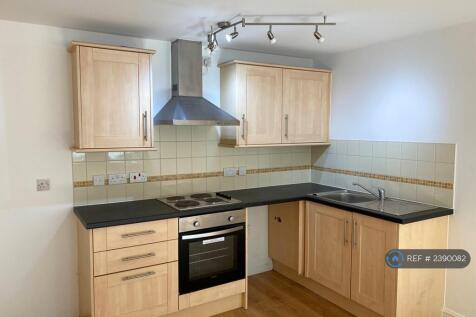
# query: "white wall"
37,229
420,88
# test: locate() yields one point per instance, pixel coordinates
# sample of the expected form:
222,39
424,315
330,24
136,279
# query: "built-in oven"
212,250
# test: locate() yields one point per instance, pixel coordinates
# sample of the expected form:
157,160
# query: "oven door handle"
211,234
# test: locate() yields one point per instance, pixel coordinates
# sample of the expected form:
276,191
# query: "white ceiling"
360,22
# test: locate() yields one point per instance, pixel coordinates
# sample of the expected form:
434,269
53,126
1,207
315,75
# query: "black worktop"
104,215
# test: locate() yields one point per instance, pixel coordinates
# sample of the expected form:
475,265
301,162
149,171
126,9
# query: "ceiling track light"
224,25
271,37
318,35
230,37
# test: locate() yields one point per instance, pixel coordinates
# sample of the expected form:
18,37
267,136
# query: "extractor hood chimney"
187,106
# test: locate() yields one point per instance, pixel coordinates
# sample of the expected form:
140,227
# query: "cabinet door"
373,282
286,233
260,90
328,250
305,106
115,99
151,291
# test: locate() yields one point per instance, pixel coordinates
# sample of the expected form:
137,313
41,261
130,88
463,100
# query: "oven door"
211,257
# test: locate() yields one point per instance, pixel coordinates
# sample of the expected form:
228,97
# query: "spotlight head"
318,35
271,37
232,35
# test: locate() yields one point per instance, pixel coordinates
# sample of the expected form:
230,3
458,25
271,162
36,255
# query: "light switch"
98,180
115,179
242,170
230,171
138,177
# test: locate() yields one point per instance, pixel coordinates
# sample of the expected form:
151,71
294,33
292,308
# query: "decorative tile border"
398,179
159,178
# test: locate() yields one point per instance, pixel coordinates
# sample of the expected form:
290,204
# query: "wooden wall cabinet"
112,97
277,105
345,262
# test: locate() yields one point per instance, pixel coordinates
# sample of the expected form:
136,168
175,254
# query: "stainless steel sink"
389,205
346,196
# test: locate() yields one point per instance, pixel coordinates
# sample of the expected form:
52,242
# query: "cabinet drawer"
150,291
113,261
134,234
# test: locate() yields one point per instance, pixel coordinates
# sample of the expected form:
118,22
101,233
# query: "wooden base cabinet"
344,261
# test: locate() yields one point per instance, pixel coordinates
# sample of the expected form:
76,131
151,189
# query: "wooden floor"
271,294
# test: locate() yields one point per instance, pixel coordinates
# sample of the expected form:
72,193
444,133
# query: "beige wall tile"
240,182
252,180
264,161
445,153
341,147
96,157
213,133
353,148
199,185
199,149
408,168
444,197
78,157
97,195
168,167
394,150
227,161
264,179
408,192
444,172
341,161
379,149
365,164
116,193
95,168
152,190
135,191
425,170
184,166
168,150
365,148
425,194
426,152
115,156
184,149
393,167
409,151
227,183
213,164
392,189
167,133
168,188
184,186
116,167
199,165
79,172
152,167
199,133
332,149
135,155
184,133
212,149
213,184
80,196
134,166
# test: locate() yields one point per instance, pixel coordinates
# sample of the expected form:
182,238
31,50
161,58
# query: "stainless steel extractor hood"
187,106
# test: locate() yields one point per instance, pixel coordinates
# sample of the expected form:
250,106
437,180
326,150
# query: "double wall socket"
115,179
234,171
138,177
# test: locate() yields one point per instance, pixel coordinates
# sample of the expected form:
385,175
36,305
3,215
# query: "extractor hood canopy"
187,106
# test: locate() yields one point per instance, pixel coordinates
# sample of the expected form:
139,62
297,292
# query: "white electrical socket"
42,185
115,179
98,180
242,170
138,177
230,171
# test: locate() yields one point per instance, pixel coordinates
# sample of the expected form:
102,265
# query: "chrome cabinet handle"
145,125
354,234
243,127
135,234
137,257
346,238
131,277
286,123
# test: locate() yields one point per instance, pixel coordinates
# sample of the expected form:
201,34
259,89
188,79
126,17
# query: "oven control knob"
196,223
231,219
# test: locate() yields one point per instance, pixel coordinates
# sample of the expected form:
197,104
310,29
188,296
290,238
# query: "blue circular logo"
394,258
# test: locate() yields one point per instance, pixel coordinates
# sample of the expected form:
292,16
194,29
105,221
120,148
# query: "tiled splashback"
421,172
187,159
